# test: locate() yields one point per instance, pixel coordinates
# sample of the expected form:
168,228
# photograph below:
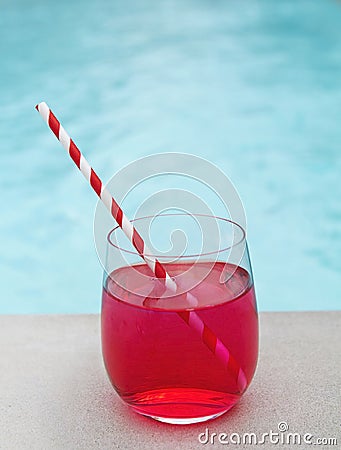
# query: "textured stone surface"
55,393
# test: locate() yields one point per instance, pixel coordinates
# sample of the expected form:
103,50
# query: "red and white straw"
190,317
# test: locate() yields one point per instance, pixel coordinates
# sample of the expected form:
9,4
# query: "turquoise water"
253,87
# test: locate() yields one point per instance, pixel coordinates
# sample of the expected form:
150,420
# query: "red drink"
156,362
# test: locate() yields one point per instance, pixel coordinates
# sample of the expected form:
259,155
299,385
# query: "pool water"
255,88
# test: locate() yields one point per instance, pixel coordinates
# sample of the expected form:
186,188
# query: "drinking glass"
186,356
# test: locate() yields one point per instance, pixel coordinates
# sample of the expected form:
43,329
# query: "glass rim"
196,255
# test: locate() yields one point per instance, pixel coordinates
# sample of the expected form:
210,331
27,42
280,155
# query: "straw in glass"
215,345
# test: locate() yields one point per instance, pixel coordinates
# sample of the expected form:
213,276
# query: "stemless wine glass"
175,357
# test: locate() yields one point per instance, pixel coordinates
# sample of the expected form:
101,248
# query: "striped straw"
191,318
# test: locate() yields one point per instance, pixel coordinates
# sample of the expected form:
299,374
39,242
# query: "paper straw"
190,317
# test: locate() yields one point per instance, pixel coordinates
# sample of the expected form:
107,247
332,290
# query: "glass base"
181,406
188,421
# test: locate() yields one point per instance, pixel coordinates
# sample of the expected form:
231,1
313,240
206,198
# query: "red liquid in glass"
156,362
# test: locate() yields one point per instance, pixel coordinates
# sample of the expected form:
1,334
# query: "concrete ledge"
55,393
